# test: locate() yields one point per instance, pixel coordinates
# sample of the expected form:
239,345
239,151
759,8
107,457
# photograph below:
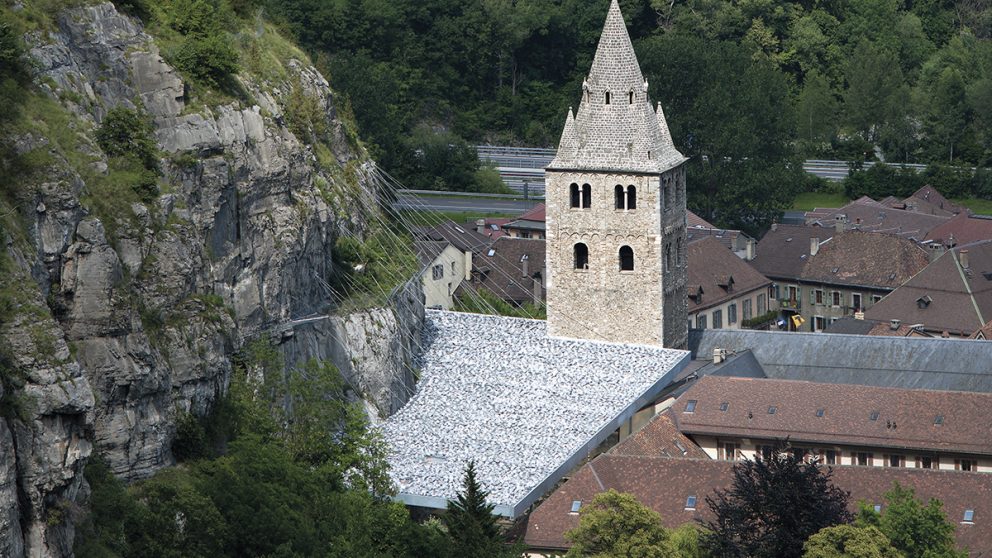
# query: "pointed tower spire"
616,128
666,135
615,66
569,142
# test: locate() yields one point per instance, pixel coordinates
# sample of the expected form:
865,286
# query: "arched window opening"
581,256
678,253
626,258
607,97
618,197
586,196
668,257
631,197
574,195
630,97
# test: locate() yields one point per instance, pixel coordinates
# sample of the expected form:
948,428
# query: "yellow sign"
797,321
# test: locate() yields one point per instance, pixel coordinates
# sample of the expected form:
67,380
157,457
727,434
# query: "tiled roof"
962,229
504,276
465,239
944,296
664,485
984,333
492,228
428,250
711,265
859,258
660,438
536,213
906,417
928,200
695,221
782,252
626,134
905,362
868,215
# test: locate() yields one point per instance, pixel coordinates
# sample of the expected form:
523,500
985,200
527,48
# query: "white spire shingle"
615,127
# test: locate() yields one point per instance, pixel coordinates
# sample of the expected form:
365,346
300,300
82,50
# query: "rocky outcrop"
154,300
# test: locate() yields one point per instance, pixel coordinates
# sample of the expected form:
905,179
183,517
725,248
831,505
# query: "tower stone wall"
617,139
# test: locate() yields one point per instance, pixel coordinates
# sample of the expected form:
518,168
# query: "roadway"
407,201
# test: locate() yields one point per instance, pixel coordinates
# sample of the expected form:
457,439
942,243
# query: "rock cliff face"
124,322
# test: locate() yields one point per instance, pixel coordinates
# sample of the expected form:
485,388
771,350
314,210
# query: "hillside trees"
917,530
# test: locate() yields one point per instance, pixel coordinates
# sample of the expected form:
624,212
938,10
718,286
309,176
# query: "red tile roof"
660,438
944,296
905,417
962,229
536,213
711,265
664,484
858,258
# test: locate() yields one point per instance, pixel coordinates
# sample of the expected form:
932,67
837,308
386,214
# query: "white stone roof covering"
527,408
626,134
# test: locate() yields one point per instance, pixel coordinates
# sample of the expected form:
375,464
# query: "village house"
951,297
821,276
444,269
724,291
528,225
512,269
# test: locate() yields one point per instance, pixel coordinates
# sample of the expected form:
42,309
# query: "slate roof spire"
615,128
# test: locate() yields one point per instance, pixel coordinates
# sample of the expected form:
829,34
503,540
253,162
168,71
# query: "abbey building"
616,215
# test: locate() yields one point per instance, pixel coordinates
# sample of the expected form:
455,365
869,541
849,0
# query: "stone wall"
603,302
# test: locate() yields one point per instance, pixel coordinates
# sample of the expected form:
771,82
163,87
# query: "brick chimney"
749,250
963,258
480,226
814,246
524,265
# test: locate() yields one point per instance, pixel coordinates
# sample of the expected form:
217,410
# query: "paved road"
452,204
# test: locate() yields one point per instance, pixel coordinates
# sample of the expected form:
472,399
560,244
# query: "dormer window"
923,302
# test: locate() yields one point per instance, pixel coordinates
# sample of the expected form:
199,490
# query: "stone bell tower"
616,218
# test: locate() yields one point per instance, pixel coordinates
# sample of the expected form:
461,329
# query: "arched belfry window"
607,97
586,196
618,197
630,97
678,253
574,195
581,256
631,197
668,257
626,258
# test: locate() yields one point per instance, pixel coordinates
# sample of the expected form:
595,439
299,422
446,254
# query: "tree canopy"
773,507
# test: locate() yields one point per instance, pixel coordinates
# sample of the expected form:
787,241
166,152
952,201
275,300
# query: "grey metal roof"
527,408
907,362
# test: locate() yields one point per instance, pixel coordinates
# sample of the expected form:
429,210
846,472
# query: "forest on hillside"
750,87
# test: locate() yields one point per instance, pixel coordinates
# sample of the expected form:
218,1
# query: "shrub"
127,133
209,58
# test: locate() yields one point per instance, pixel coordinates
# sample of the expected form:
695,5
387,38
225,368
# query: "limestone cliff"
122,321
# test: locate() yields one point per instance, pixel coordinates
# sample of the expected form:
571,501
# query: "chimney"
749,250
468,265
774,226
840,223
814,246
859,315
894,324
717,355
936,250
537,289
963,258
480,226
524,267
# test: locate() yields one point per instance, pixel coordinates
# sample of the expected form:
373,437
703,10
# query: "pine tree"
471,524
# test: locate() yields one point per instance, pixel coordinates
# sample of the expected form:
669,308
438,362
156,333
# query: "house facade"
724,291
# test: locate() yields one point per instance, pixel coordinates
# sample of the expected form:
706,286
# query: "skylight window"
878,508
820,412
724,406
938,420
459,229
690,503
969,516
873,415
576,504
772,409
690,407
492,252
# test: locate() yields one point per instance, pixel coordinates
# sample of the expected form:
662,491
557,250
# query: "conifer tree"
471,524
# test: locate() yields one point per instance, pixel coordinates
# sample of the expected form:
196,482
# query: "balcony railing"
790,303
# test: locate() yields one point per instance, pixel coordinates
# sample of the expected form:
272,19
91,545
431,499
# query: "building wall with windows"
731,313
820,304
730,448
443,276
